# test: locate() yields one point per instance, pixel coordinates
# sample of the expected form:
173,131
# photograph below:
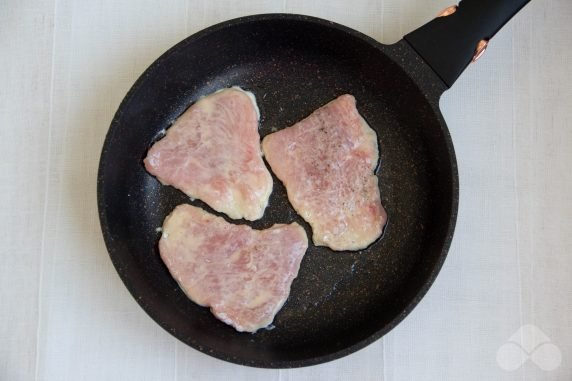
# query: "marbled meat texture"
243,275
327,162
212,153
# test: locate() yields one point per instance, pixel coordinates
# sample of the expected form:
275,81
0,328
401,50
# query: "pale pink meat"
327,164
212,153
243,275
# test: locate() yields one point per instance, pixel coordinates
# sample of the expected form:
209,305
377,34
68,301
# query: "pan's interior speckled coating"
340,301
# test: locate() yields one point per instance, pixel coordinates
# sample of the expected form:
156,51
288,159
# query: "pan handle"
449,43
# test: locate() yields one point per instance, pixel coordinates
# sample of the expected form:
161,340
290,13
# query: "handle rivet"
448,11
480,50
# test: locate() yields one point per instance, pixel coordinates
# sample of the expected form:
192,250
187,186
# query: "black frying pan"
341,301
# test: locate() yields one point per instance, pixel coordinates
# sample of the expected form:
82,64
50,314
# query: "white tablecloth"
64,313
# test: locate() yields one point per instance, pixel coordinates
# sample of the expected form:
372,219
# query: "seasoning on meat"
243,275
212,153
327,164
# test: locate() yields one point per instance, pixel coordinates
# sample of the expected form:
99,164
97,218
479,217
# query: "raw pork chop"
244,275
212,152
326,162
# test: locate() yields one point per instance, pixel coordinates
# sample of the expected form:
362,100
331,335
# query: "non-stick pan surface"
340,301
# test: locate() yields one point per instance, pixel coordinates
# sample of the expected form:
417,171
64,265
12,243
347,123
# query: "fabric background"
64,313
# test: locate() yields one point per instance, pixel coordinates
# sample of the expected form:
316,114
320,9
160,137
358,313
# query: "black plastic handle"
448,43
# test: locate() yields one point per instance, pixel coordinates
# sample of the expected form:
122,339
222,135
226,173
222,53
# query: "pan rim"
115,256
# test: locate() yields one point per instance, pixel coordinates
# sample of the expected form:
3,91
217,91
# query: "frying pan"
340,301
